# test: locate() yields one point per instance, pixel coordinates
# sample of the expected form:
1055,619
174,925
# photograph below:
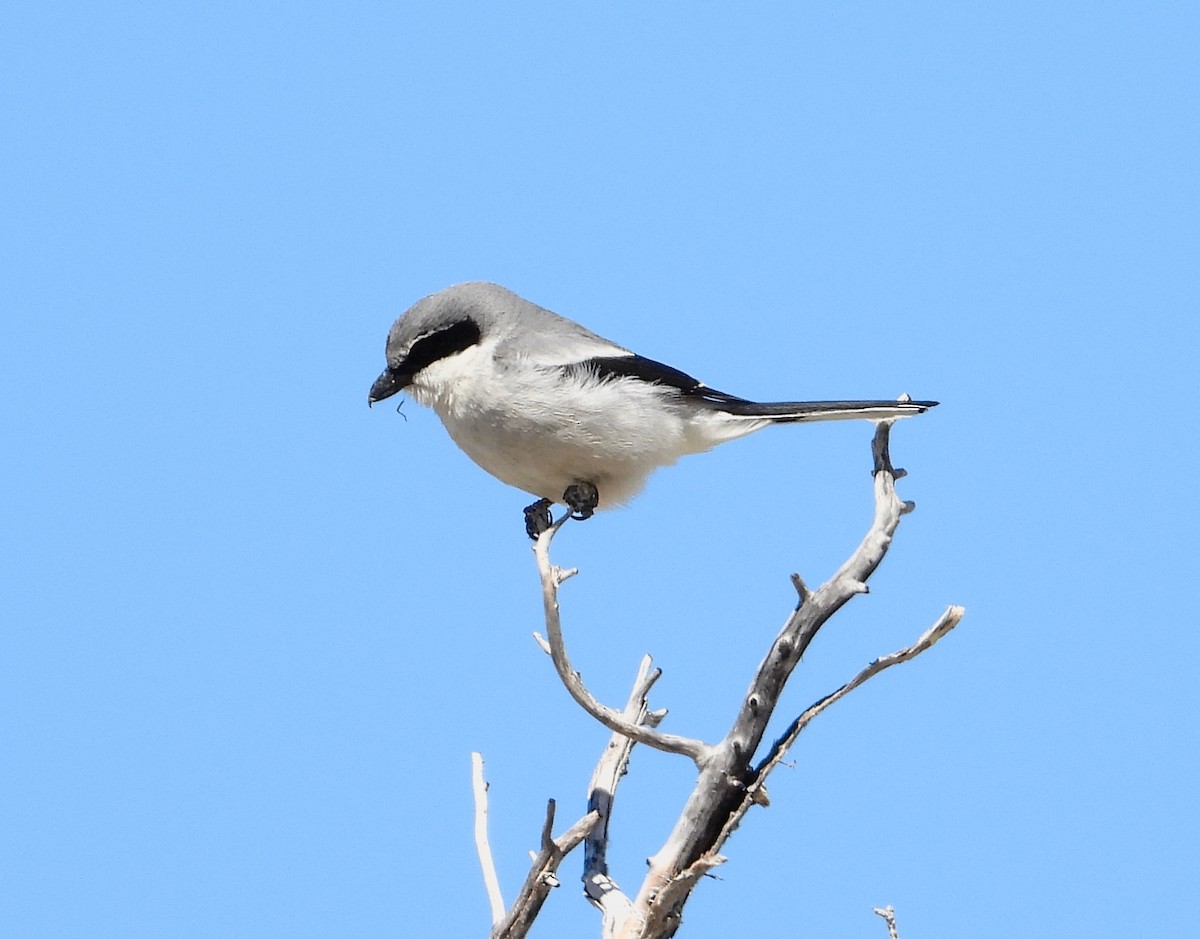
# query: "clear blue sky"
252,630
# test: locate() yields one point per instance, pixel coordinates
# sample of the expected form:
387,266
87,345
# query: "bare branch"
889,915
598,886
541,878
728,784
946,622
729,781
801,588
756,788
552,577
490,880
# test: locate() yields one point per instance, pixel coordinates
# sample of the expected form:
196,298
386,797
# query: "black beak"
392,381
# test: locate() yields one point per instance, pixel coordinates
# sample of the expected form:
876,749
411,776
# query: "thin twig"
946,622
552,577
490,879
756,789
801,589
889,916
541,878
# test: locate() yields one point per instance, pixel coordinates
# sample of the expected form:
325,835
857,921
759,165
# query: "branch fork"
729,780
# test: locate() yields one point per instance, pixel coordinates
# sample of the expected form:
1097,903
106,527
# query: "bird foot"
538,518
581,499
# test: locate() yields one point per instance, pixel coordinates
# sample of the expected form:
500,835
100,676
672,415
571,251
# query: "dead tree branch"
715,805
592,829
491,881
889,916
541,878
730,781
552,578
598,886
756,789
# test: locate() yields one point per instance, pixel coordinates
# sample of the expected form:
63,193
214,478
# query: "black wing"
608,368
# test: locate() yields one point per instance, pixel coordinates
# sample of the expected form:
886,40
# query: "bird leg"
538,518
581,499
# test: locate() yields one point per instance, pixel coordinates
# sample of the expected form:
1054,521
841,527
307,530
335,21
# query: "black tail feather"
796,411
610,368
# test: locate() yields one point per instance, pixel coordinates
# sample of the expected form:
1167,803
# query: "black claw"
582,499
538,518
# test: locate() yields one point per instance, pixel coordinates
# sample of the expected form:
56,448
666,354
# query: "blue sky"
252,630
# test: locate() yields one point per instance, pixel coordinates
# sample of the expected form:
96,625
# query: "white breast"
527,427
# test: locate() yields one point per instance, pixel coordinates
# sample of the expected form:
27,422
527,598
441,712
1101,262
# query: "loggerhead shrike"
549,407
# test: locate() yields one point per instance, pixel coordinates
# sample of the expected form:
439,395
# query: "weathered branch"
723,792
541,878
889,916
756,791
491,881
598,886
552,577
946,622
729,782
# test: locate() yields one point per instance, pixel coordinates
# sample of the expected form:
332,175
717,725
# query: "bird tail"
788,412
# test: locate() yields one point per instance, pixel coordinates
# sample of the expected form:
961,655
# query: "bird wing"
610,368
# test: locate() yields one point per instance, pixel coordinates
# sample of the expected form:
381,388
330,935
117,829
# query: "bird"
551,408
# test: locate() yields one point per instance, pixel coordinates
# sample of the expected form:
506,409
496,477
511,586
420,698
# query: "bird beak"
392,381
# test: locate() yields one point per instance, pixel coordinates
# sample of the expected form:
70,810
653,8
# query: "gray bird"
549,407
